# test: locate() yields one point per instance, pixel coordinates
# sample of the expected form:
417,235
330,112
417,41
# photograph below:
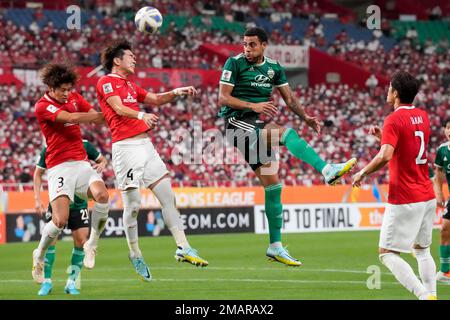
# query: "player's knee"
59,222
79,243
131,201
102,196
445,228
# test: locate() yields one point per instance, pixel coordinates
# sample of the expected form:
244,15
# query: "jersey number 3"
419,159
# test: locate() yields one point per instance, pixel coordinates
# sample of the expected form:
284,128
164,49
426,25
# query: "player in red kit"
411,208
134,157
59,113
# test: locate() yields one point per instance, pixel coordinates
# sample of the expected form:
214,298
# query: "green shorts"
244,133
78,218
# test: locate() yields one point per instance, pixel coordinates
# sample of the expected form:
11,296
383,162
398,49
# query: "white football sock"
163,191
276,244
427,269
404,274
99,217
325,169
49,234
131,204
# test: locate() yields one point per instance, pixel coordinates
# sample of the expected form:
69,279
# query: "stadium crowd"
346,113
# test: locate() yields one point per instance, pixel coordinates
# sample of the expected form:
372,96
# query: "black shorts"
78,218
244,133
447,210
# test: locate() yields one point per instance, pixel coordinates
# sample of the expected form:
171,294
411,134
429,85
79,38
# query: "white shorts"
405,225
70,178
135,162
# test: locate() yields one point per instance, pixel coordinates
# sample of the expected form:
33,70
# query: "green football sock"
49,261
274,211
77,263
445,258
301,149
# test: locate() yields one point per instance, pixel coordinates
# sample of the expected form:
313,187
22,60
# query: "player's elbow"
223,100
71,118
386,157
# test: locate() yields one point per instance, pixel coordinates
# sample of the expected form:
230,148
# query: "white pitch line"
207,280
288,269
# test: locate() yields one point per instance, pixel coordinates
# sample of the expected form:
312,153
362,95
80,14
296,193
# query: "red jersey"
130,94
63,140
407,129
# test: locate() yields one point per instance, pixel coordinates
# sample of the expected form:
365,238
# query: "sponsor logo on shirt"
129,99
226,75
261,81
52,108
107,88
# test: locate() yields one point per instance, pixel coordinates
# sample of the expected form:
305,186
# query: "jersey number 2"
419,159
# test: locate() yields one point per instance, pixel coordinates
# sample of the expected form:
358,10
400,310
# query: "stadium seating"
346,113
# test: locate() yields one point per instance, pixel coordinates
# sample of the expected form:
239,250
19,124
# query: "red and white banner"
289,56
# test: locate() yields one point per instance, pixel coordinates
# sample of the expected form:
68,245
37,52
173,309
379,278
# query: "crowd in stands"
346,115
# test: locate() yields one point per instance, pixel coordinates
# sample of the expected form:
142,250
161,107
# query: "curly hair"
114,50
56,74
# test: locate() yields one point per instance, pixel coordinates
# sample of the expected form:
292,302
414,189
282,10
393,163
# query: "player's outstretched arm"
37,183
166,97
226,99
292,102
381,159
438,180
79,117
116,103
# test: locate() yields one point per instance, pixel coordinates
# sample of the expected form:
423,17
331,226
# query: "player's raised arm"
292,102
381,159
166,97
79,117
116,103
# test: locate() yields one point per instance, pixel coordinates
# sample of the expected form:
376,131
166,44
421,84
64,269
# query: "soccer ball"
148,20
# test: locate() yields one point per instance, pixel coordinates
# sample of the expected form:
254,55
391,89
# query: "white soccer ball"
148,20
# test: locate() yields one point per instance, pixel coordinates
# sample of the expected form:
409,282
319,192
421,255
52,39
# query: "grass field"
334,267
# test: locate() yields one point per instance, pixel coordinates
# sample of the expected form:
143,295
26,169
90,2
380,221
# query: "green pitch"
334,267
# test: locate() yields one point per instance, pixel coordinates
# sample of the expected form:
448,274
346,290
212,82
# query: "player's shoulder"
238,57
74,95
109,78
272,61
43,103
444,145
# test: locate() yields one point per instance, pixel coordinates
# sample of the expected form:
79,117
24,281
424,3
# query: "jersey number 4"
419,159
130,174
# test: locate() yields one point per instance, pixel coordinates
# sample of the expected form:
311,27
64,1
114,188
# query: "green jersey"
92,153
251,82
443,160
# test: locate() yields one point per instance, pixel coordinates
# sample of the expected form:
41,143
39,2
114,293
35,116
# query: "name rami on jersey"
416,120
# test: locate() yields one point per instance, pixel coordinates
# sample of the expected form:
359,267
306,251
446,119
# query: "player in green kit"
442,164
78,223
244,96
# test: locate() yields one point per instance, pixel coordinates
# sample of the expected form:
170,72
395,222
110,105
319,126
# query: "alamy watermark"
374,280
73,21
374,19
